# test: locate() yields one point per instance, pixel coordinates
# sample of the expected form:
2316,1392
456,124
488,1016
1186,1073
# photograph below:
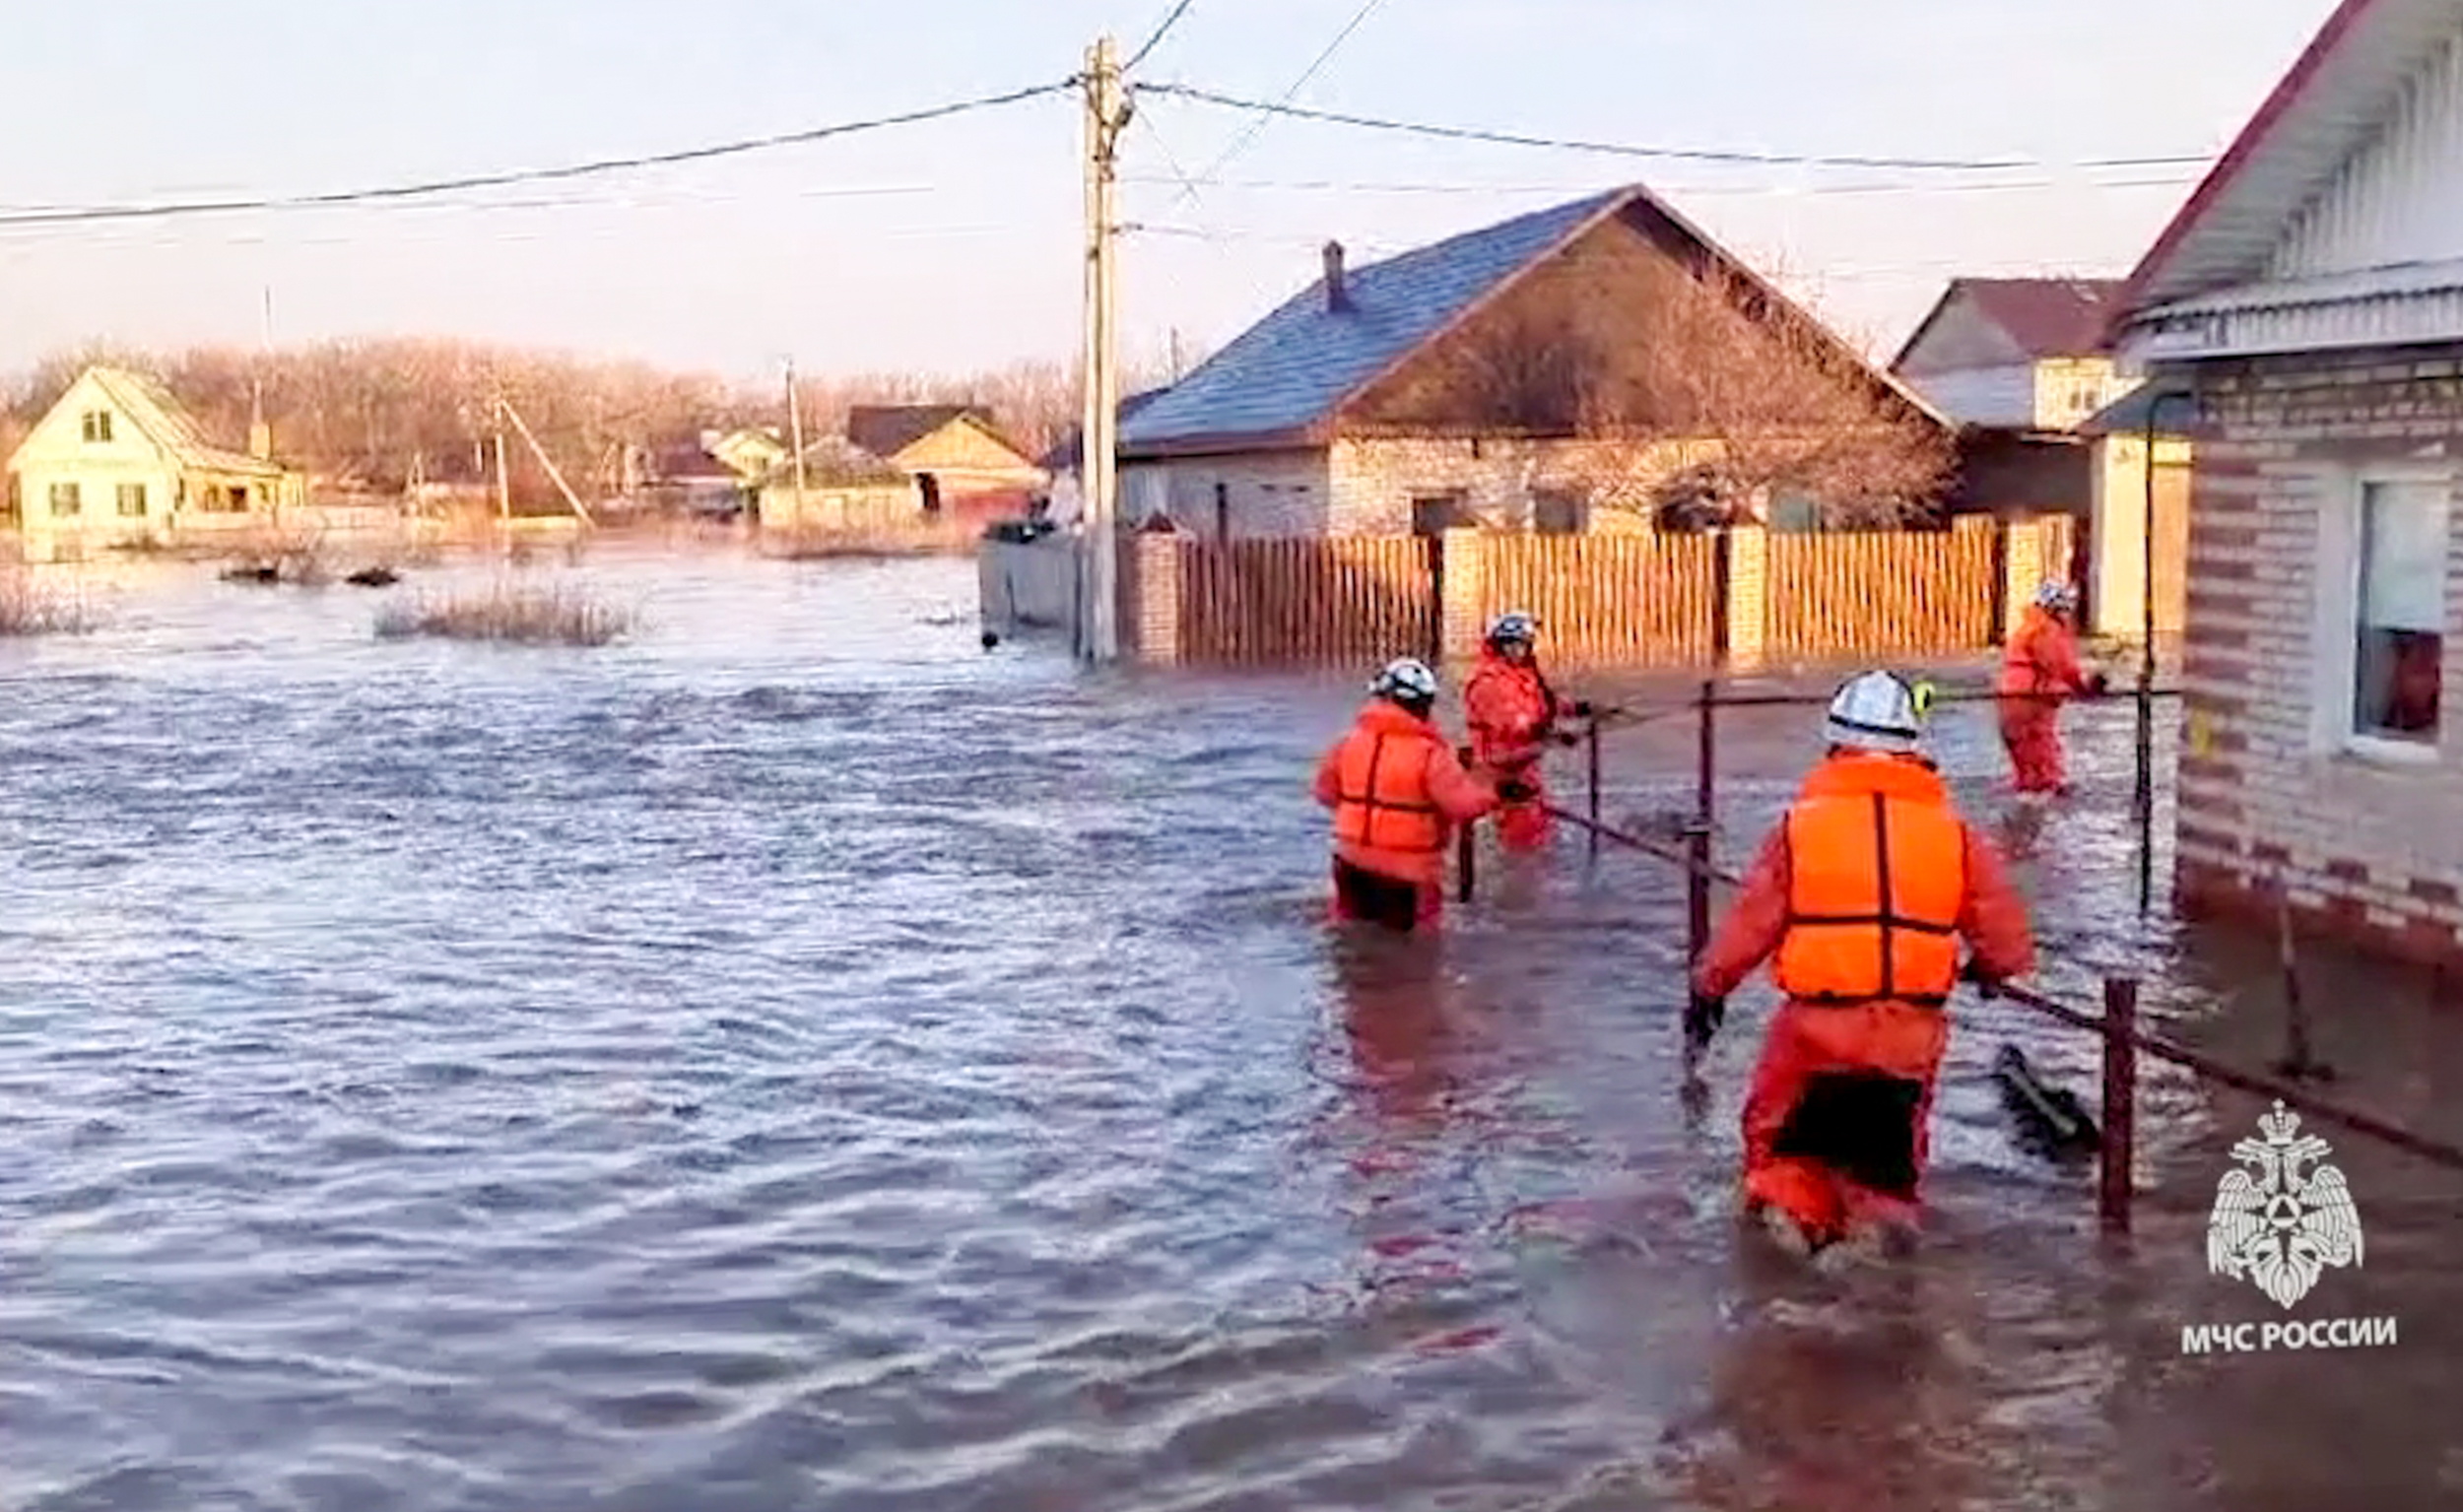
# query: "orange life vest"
1383,802
1877,882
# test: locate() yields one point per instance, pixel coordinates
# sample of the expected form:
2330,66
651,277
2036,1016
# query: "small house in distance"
2306,307
839,488
2025,368
1586,366
118,462
958,457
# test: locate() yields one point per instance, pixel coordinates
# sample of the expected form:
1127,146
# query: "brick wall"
1373,481
2269,798
1268,494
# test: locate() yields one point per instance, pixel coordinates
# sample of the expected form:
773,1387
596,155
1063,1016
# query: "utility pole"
1106,115
795,437
504,479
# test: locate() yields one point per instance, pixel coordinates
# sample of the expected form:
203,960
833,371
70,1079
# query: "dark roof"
2129,414
2047,317
1064,457
1291,369
1283,379
885,429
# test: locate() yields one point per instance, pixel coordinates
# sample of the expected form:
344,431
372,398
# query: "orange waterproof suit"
1862,895
1512,712
1397,793
2040,658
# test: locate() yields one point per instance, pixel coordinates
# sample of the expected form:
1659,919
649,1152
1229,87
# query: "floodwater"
800,1060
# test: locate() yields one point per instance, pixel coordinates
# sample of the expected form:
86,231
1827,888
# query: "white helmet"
1406,679
2053,593
1514,624
1875,711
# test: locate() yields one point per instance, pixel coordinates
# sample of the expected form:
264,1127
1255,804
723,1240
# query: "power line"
1367,7
1159,34
1284,107
1906,186
87,214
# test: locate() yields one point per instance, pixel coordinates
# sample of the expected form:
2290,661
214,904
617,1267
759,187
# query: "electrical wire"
65,215
1909,186
1159,34
1248,136
1285,107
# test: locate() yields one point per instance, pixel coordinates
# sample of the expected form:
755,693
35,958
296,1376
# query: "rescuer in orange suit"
1397,793
1513,715
1861,895
2039,664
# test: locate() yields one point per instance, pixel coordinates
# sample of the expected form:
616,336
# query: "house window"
2398,613
1559,514
239,497
97,426
17,495
68,500
133,501
1434,514
1223,511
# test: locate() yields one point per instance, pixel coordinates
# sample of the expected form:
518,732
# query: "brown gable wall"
1592,329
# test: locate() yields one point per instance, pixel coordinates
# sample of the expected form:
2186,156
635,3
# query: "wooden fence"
1645,599
1739,597
1360,599
1865,592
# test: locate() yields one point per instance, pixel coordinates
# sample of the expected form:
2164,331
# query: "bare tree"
1714,400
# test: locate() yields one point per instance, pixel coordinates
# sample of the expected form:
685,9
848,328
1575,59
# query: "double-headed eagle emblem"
2276,1225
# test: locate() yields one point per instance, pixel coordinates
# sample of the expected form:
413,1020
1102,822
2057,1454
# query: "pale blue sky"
955,243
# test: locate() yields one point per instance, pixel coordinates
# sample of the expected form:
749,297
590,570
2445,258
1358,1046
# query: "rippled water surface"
799,1059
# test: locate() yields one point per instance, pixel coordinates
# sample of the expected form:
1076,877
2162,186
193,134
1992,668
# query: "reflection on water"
799,1059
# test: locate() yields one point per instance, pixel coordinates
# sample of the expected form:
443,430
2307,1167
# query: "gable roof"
162,420
885,429
2335,97
1283,379
2044,317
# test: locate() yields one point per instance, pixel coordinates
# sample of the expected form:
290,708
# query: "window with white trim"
2399,612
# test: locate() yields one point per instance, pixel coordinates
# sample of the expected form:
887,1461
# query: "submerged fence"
2115,1021
1736,597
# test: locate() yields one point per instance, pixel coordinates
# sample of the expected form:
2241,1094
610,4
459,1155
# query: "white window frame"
2338,618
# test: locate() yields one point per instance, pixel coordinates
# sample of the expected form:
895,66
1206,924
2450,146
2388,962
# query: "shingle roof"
885,429
2048,317
172,427
1291,369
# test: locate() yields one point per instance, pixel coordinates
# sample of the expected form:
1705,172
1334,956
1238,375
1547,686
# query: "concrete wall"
2364,837
1263,493
1030,585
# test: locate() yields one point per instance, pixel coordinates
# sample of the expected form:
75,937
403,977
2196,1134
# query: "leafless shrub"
512,613
29,607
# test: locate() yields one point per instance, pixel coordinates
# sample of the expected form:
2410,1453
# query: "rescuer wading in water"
2039,672
1513,716
1862,895
1397,793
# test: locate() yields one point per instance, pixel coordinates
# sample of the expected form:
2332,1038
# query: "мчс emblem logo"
2280,1222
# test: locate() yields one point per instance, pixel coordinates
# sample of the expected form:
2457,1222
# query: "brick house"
1436,389
2308,303
2023,367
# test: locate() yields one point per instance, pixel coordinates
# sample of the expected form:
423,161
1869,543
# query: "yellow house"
118,462
952,451
840,489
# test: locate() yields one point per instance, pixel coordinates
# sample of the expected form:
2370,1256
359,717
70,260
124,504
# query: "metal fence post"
1465,845
1697,832
1592,743
2120,1101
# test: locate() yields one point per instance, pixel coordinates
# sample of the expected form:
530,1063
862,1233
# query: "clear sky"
955,243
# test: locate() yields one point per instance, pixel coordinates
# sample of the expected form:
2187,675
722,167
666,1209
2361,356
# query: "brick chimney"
1338,296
